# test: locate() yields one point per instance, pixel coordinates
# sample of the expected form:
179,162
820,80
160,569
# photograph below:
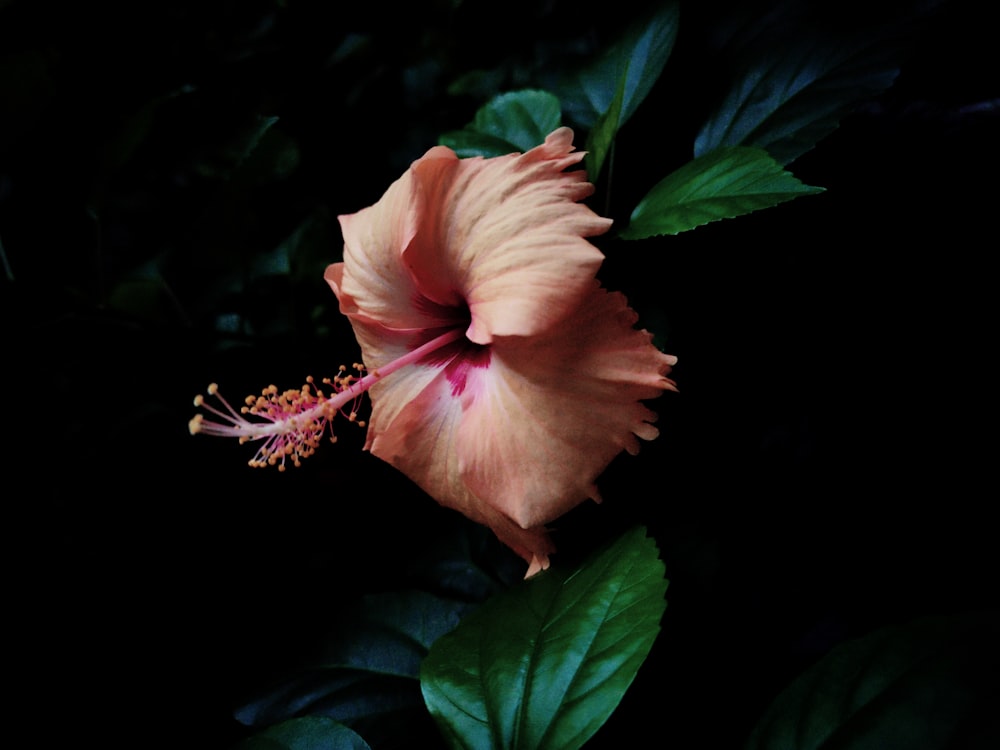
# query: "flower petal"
556,410
372,279
505,237
523,438
496,244
420,441
380,345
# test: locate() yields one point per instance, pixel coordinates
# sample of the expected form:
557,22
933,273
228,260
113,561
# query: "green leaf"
543,664
370,666
602,136
306,250
515,121
367,674
254,153
928,685
249,138
307,733
631,65
723,184
786,97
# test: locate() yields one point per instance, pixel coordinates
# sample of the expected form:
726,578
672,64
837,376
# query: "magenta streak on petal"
473,357
458,358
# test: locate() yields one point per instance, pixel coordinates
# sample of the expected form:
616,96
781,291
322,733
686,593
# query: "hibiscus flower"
519,377
512,422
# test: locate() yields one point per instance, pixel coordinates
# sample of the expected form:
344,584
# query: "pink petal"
526,436
556,410
420,442
504,237
500,241
378,286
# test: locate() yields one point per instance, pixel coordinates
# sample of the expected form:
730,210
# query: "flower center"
471,357
459,358
295,420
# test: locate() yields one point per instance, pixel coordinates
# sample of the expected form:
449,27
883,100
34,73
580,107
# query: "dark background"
826,468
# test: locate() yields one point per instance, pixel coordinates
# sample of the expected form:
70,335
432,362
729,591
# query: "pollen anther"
294,420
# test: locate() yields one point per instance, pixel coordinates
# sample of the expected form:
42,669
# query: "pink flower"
536,380
519,377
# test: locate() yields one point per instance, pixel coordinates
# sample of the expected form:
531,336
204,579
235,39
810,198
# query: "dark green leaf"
725,183
274,156
466,562
543,664
788,96
632,65
479,83
250,138
516,121
307,733
469,142
147,296
370,666
307,250
928,685
255,153
602,135
144,299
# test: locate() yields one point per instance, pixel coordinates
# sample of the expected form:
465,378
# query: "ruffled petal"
420,441
372,281
555,411
496,244
505,237
519,437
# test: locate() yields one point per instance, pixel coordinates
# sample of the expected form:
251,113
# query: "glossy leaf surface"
633,63
516,121
724,184
544,664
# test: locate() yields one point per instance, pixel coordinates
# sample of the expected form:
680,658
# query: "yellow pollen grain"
302,415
